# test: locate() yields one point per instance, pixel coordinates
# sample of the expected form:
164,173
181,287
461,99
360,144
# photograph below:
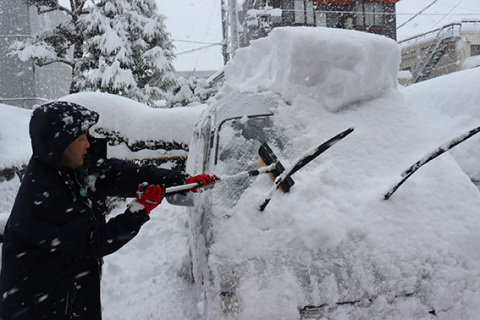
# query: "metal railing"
435,32
434,52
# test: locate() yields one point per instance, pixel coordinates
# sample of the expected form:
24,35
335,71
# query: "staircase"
444,39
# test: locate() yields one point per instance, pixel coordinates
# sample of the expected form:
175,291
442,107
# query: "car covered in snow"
130,130
140,133
332,247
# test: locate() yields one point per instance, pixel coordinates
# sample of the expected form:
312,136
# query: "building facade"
258,17
451,48
21,82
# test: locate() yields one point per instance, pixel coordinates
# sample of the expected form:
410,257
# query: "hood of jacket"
54,126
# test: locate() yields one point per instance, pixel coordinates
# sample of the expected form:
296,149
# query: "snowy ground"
424,240
140,280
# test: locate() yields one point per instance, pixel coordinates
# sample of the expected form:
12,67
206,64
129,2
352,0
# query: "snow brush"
282,177
270,164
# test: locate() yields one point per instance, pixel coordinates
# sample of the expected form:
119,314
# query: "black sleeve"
123,177
70,228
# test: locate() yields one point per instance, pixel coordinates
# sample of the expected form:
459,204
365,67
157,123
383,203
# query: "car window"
238,144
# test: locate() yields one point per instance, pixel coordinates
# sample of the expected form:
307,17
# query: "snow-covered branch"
64,61
116,46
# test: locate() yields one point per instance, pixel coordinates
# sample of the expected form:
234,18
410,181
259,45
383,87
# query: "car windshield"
238,144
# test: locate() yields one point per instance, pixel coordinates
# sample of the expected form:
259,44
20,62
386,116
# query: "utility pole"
234,39
231,41
223,7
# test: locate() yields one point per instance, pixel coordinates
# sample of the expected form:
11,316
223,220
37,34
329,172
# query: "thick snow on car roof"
126,118
328,65
399,255
137,121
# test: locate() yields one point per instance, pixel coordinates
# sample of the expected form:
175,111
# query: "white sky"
195,24
199,20
195,21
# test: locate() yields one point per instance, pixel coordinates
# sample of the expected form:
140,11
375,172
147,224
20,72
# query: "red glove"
150,196
205,180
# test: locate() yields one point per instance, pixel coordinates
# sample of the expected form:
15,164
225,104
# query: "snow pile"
472,62
15,146
455,106
333,240
330,66
137,122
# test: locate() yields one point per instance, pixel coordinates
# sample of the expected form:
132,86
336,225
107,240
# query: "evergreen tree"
127,50
115,46
62,44
192,91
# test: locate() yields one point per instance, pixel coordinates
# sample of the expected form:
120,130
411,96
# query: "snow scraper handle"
244,174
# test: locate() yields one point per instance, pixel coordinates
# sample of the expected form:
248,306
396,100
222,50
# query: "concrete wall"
458,51
21,83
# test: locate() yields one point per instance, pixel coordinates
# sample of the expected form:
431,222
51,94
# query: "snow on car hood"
456,106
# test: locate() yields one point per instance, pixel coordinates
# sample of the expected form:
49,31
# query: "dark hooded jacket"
56,234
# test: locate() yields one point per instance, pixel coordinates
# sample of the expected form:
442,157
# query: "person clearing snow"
57,235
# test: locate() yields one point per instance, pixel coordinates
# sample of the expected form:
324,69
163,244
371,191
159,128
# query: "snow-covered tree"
126,51
191,91
115,46
62,44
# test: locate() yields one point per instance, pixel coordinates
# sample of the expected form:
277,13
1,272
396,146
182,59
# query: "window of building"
474,50
299,9
304,12
320,19
309,13
369,13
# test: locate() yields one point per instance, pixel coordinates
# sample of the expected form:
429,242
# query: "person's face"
73,156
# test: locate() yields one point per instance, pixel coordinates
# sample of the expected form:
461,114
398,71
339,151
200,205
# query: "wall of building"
21,83
16,77
461,39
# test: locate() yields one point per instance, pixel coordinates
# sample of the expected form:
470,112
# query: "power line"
440,14
391,13
201,48
414,15
447,3
205,33
197,42
453,8
431,4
